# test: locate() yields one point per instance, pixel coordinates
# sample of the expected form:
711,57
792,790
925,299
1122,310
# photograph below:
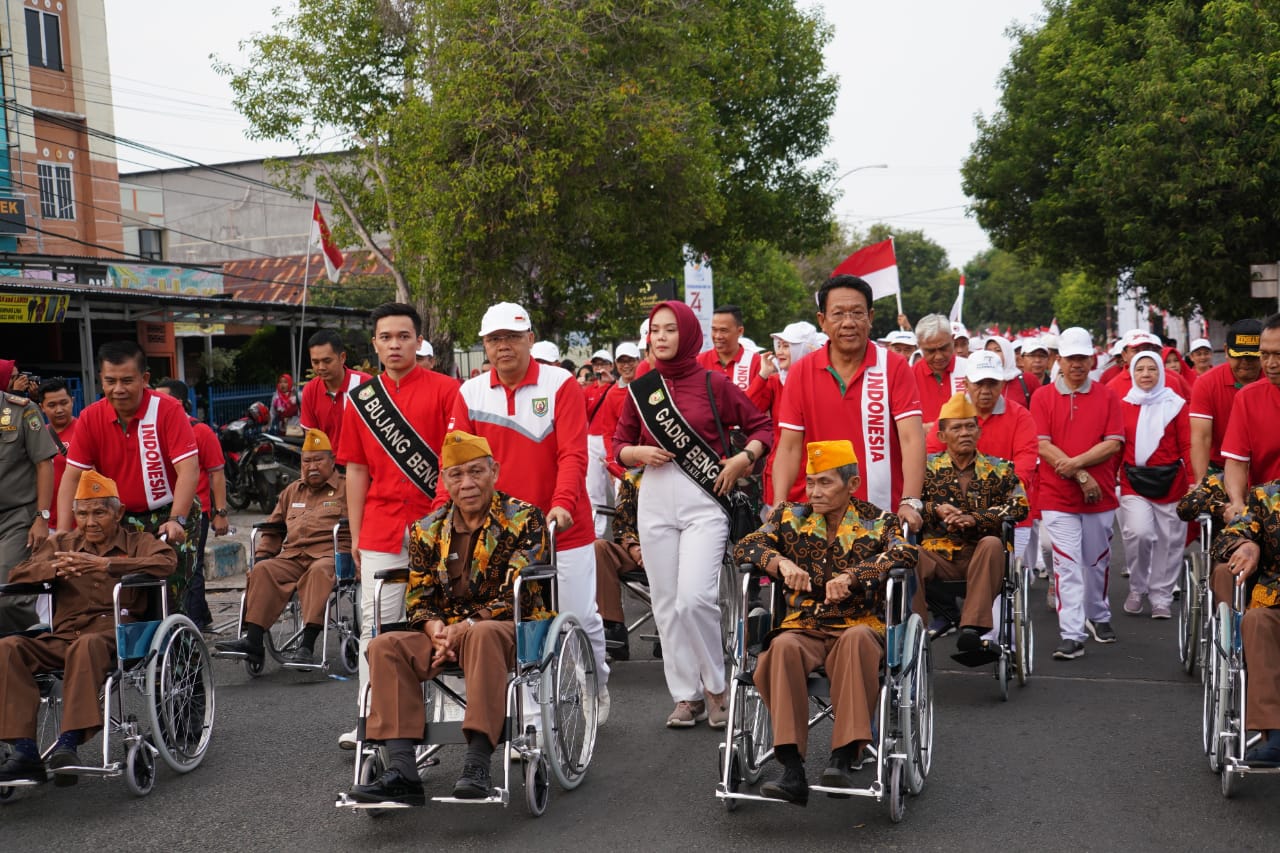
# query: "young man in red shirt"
1214,393
1251,446
727,355
392,433
57,406
535,419
324,398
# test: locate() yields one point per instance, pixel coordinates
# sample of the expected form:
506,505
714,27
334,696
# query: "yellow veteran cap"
94,485
825,455
460,447
316,440
957,407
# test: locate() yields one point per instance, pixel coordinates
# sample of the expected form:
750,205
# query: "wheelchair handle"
606,511
28,588
538,572
140,579
899,573
271,526
392,575
746,568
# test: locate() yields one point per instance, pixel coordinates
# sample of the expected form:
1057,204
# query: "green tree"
1001,290
1080,300
1136,142
767,288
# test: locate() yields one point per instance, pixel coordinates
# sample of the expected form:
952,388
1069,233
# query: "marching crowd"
824,462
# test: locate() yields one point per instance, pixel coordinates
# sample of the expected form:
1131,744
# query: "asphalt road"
1101,753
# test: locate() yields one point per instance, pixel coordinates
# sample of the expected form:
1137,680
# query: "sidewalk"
226,558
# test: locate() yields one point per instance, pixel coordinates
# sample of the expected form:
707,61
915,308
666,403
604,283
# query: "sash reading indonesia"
392,430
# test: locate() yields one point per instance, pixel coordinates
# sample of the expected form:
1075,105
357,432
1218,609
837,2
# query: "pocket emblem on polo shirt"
656,397
541,406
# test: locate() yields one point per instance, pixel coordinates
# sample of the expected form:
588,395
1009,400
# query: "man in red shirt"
1251,446
627,359
939,374
325,397
57,406
1214,393
1081,433
534,418
1201,354
856,390
392,434
599,485
727,355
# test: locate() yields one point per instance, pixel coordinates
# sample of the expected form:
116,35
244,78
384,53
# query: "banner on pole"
699,294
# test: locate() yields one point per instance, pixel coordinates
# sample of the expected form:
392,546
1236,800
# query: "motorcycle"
259,464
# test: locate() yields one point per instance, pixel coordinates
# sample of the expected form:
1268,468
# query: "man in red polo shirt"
392,433
939,374
1215,391
727,355
57,406
1081,433
854,389
600,489
534,419
325,397
143,441
1251,446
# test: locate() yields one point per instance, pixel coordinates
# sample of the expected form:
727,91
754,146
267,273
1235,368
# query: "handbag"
1152,481
744,501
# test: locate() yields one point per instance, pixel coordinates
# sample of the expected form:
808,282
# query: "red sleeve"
1202,400
609,423
1235,444
790,413
350,446
1026,449
571,446
904,394
1042,413
1115,420
179,440
627,432
306,416
1183,433
211,458
762,392
82,452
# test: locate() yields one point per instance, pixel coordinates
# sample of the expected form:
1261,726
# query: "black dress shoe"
839,773
302,655
391,787
473,784
64,756
255,654
791,788
615,639
19,768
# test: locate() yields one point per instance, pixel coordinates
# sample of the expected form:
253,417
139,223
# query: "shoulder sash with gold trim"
694,456
392,430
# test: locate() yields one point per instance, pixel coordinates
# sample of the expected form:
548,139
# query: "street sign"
1264,281
13,215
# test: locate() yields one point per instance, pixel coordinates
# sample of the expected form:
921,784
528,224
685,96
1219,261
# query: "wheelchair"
902,726
555,669
166,661
635,582
1193,609
341,616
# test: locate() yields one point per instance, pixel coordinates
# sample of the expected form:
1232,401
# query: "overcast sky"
913,74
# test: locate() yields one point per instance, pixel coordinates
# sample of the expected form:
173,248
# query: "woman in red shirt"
1157,440
789,346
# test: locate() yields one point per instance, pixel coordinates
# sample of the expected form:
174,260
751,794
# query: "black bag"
744,502
1152,481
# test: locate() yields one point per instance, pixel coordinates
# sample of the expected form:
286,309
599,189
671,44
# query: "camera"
32,379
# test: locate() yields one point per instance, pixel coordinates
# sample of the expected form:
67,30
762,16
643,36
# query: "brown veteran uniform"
306,560
848,636
25,447
617,557
83,640
455,577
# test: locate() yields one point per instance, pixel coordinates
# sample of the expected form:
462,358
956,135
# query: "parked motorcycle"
258,464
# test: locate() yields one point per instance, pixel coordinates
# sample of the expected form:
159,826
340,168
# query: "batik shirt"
1209,496
625,526
513,536
1260,524
994,495
868,543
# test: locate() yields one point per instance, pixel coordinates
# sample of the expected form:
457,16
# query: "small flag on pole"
957,307
322,240
876,265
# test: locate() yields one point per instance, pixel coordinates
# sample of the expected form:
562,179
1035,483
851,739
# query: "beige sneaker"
687,714
718,710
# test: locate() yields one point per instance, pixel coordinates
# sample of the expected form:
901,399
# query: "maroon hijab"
685,362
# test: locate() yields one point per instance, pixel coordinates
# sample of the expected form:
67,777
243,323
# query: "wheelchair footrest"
496,796
345,802
307,667
113,769
23,783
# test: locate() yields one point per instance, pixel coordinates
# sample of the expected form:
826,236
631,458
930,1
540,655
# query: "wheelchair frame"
1194,610
902,735
562,676
174,675
285,635
635,582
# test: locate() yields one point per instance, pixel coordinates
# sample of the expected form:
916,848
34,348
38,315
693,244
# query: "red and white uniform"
140,457
209,450
60,466
1212,396
935,390
1252,436
599,439
740,368
324,411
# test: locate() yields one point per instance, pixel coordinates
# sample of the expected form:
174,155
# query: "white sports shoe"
602,712
347,740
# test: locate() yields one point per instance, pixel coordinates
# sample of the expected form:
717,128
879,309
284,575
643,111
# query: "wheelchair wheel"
917,710
1023,630
49,715
757,740
344,621
140,769
1002,676
569,714
1208,708
730,596
897,792
180,693
735,777
371,767
1190,619
284,634
537,785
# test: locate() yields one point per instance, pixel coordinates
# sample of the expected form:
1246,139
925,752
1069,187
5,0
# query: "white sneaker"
602,708
347,740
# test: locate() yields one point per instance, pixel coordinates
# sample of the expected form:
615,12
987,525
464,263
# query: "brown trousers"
983,573
85,663
272,581
1260,632
611,561
400,661
852,658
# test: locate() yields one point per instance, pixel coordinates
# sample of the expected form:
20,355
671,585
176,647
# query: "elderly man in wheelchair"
305,515
84,565
464,560
833,555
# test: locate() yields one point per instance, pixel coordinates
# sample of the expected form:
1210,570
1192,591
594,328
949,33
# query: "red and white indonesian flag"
322,240
957,307
876,265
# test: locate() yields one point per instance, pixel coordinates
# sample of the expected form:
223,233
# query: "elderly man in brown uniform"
85,564
464,559
833,554
306,513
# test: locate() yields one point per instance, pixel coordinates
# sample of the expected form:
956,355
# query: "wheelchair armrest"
139,579
271,526
899,573
607,511
392,575
538,572
29,588
1006,530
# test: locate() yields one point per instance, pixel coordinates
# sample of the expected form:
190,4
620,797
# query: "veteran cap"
316,440
957,407
460,447
825,455
1244,339
94,485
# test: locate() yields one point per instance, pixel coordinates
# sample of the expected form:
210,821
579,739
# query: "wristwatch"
470,621
1082,477
180,519
220,513
914,503
43,513
750,455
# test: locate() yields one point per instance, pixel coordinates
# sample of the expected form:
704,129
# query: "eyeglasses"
503,337
838,317
1269,356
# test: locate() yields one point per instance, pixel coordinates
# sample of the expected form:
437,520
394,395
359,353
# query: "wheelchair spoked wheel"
537,784
346,621
570,712
1024,632
1208,709
284,634
729,597
897,791
180,694
918,723
758,740
140,768
1190,619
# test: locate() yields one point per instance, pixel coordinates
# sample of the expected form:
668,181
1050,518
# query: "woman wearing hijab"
683,527
1157,454
1174,362
789,346
284,405
1019,384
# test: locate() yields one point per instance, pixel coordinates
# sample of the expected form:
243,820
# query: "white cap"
975,343
602,355
644,333
749,345
1031,345
1116,347
1019,344
1075,341
959,331
900,337
626,349
985,364
1140,337
795,333
545,351
1200,343
505,317
425,349
1050,342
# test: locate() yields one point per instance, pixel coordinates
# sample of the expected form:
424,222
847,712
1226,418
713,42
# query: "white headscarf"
1011,370
802,338
1159,406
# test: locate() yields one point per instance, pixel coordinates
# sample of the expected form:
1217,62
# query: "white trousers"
599,482
372,562
683,531
1081,565
576,585
1031,545
1153,543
